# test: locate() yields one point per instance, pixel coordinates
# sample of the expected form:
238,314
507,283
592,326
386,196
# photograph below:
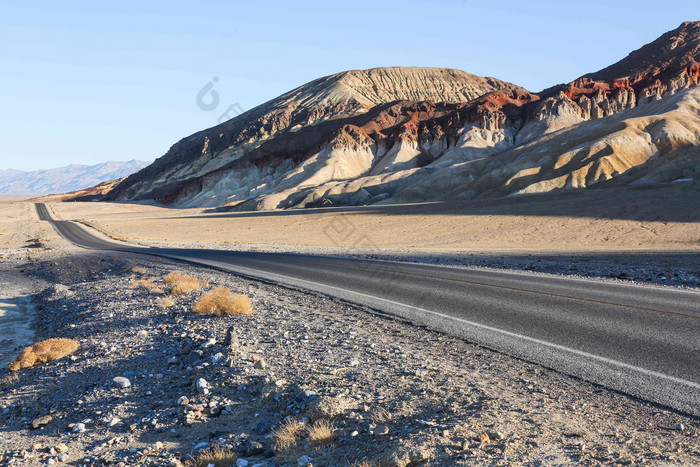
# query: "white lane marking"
534,340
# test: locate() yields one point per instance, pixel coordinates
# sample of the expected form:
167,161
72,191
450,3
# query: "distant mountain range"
64,179
397,135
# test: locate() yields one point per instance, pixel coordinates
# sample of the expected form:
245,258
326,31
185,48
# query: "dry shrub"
175,276
138,270
44,352
223,302
215,456
148,284
182,283
321,432
166,302
286,435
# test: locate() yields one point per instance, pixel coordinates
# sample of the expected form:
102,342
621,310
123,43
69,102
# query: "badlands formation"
396,135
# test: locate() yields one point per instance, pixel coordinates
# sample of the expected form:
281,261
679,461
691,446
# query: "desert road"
643,341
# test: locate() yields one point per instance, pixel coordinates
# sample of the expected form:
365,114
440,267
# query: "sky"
87,82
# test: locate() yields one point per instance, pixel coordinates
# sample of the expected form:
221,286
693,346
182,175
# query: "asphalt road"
643,341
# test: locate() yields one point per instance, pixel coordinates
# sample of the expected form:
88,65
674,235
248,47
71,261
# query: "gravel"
394,393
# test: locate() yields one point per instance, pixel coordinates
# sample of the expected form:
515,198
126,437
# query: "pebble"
63,457
260,364
121,382
217,358
381,430
183,400
114,421
173,361
304,460
242,463
41,421
202,386
201,445
79,428
209,343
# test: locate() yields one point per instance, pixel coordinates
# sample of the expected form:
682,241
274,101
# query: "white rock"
202,386
304,460
201,445
79,428
217,358
121,382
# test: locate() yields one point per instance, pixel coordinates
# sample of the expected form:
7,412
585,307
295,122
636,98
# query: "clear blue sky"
86,82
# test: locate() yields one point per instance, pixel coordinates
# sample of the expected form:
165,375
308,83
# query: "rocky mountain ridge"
65,179
413,134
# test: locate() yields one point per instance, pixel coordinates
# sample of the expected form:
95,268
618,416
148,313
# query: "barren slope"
392,135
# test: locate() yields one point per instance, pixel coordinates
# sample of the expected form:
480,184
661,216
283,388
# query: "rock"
231,339
381,430
403,456
242,463
329,407
209,343
484,438
201,445
142,334
183,400
260,364
63,457
202,386
173,361
679,427
217,358
304,460
121,382
186,350
41,421
60,448
79,428
114,421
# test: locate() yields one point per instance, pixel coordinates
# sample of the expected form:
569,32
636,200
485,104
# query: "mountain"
390,135
64,179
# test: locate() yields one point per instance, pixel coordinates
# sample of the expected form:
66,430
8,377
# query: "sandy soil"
396,394
663,218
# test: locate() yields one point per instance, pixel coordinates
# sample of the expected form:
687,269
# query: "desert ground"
651,218
646,233
390,393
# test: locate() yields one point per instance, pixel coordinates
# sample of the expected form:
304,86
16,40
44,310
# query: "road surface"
643,341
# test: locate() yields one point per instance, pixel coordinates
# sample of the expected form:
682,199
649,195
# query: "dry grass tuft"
381,416
148,284
44,352
8,380
364,463
321,433
215,456
286,435
182,283
138,270
166,302
223,302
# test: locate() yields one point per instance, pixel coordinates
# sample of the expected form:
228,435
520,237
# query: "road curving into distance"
643,341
